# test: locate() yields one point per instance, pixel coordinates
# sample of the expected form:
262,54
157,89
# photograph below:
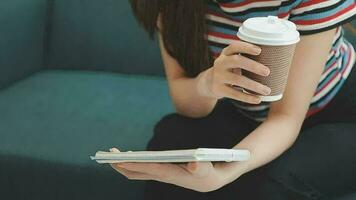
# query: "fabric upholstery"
54,120
86,34
21,38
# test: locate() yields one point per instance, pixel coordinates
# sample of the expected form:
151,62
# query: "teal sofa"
76,76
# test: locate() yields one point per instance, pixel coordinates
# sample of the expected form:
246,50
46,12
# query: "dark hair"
183,30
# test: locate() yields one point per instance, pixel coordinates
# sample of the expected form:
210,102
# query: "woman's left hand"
198,176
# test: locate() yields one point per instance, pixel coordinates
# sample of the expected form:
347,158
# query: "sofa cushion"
100,35
21,38
52,121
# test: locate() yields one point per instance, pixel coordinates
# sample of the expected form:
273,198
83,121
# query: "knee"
169,124
164,123
170,132
288,183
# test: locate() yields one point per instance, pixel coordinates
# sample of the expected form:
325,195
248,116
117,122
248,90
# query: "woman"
302,147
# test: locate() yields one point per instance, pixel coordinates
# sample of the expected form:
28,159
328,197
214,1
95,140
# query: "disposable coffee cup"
277,39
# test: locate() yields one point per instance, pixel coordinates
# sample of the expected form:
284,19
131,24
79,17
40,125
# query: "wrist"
241,168
231,172
203,80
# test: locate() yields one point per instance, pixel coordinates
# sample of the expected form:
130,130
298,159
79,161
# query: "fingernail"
258,100
257,50
266,72
114,150
266,90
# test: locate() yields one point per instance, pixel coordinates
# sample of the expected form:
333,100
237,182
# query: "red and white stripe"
337,34
350,63
284,15
335,65
332,52
217,18
334,80
221,38
313,4
326,21
245,5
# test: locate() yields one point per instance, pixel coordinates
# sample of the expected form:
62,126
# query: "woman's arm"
279,131
183,90
276,134
196,97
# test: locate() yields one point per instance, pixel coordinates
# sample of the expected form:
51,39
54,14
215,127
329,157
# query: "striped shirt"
224,17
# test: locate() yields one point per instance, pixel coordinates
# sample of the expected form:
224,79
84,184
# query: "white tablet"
189,155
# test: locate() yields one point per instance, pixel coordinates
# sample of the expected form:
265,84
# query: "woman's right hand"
218,81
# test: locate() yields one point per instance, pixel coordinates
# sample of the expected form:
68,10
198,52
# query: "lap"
321,162
222,128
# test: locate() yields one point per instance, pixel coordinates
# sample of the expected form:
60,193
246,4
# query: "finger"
140,167
132,175
239,61
236,71
244,82
164,172
148,168
114,150
191,166
199,169
241,47
232,93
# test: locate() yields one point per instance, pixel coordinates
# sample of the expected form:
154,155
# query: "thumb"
114,150
114,165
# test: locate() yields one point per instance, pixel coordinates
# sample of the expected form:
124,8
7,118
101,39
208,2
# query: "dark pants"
321,163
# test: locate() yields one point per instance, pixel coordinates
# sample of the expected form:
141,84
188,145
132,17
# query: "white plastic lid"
269,30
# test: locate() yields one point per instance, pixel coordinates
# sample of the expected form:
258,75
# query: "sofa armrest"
21,39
